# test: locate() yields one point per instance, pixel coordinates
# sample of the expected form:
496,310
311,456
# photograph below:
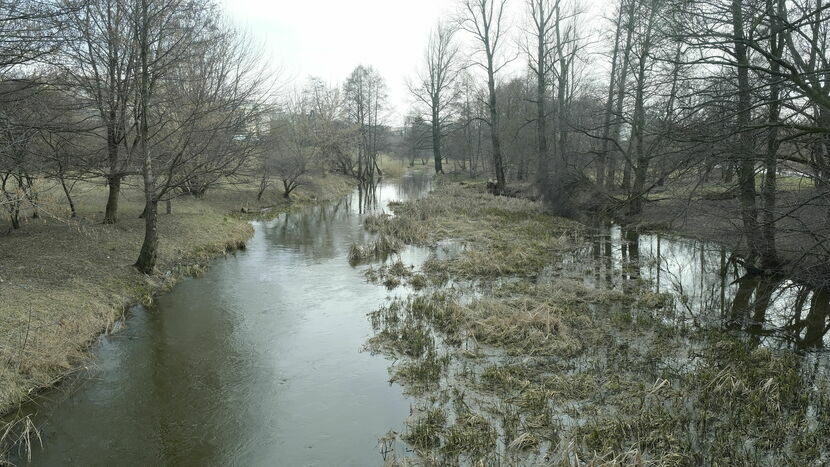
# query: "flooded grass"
379,249
540,365
511,236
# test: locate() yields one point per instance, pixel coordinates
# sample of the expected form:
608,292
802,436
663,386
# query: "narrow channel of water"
259,362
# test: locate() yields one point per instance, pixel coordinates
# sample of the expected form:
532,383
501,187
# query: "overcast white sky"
328,38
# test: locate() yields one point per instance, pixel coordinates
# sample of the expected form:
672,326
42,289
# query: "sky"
328,38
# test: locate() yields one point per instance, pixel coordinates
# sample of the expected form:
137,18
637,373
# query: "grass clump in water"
421,374
381,248
426,430
472,436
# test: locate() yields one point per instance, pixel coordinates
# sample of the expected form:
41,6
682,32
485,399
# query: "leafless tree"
99,58
199,94
436,84
364,95
485,21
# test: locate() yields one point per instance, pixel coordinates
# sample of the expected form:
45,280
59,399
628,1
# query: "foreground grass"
64,281
524,363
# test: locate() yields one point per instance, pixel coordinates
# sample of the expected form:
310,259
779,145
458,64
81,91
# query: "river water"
259,362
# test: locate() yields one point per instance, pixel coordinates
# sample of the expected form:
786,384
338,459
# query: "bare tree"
542,15
292,149
484,20
99,59
365,99
200,92
435,86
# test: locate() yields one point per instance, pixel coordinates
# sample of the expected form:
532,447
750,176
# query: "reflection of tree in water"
314,231
320,230
367,196
711,287
804,310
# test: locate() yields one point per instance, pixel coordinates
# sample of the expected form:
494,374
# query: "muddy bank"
533,340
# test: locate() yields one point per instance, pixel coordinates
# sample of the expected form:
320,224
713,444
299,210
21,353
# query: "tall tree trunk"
617,126
641,169
769,255
745,150
436,138
541,84
146,262
602,159
495,138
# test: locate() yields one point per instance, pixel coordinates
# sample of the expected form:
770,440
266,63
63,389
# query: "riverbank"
64,281
517,355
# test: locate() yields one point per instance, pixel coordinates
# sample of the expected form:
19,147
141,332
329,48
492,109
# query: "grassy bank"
64,281
515,357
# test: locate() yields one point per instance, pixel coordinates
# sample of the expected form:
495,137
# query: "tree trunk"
617,127
745,150
816,319
541,113
436,138
626,180
146,262
495,138
602,159
111,212
29,189
769,255
114,178
72,211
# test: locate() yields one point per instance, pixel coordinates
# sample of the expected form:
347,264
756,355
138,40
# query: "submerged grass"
546,369
381,248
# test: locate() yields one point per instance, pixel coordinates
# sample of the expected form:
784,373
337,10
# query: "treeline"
169,95
661,94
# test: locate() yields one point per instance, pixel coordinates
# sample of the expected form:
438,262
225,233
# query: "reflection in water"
712,288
